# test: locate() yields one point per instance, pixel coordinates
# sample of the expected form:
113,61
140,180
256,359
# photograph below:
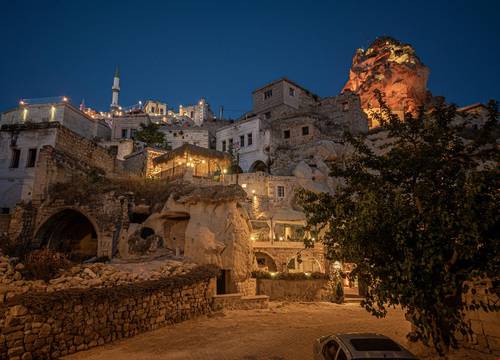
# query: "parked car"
359,346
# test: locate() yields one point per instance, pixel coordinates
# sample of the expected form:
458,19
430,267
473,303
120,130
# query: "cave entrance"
223,280
69,232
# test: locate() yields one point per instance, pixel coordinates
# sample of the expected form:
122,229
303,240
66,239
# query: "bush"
44,264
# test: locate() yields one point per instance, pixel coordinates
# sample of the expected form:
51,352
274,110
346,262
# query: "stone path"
285,331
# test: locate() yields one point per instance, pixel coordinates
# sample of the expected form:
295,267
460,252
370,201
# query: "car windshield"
374,344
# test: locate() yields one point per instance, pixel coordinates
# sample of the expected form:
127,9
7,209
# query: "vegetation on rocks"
419,216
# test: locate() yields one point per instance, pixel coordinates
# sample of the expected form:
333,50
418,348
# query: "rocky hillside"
393,68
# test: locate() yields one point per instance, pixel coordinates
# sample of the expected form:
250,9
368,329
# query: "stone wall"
51,325
293,290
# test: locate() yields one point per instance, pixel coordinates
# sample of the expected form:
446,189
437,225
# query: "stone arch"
69,231
258,165
265,261
309,264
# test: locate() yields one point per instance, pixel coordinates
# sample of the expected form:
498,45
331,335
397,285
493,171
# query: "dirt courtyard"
285,331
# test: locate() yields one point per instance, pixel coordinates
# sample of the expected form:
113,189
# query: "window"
161,111
286,134
124,133
280,190
267,115
5,211
305,130
291,91
230,144
132,133
249,139
16,155
345,106
268,94
223,145
30,162
242,141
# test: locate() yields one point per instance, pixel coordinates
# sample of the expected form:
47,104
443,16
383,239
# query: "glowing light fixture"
224,171
244,186
64,99
21,102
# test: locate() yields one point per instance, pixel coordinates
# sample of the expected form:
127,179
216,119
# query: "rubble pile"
82,276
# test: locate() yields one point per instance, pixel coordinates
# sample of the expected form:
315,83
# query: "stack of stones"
80,277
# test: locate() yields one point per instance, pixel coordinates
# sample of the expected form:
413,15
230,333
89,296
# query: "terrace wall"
51,325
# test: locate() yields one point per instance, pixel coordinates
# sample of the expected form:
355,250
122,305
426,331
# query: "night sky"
179,51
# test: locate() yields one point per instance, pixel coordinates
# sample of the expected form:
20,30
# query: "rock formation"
393,68
207,225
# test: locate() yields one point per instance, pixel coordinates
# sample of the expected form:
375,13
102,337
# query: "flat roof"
285,80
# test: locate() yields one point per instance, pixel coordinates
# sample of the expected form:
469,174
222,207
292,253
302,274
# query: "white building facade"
249,139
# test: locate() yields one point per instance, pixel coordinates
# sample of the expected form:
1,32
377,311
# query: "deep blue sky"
178,51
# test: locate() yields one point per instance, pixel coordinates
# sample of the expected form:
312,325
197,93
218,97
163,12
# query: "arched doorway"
69,232
265,262
307,264
258,166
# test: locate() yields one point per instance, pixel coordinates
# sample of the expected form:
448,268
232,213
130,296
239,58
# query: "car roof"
357,352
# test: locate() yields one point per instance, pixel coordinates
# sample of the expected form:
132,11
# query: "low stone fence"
240,302
51,325
293,290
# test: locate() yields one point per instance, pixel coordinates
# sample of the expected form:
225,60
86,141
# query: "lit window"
242,141
30,162
280,191
286,134
16,155
249,139
268,94
291,91
305,130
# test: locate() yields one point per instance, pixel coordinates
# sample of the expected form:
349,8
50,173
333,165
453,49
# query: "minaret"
116,90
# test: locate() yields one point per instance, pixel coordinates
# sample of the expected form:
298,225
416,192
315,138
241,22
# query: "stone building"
176,136
249,139
278,225
281,97
24,132
286,117
199,112
125,126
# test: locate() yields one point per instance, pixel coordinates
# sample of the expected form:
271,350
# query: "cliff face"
393,68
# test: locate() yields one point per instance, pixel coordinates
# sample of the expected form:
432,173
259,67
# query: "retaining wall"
293,290
50,325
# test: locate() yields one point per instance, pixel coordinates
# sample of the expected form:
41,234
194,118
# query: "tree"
419,216
150,135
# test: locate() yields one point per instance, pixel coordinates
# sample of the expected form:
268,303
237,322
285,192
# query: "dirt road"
284,332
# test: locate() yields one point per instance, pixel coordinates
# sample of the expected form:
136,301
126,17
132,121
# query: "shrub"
44,264
288,276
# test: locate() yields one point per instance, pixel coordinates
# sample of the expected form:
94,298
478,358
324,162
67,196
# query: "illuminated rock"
393,68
